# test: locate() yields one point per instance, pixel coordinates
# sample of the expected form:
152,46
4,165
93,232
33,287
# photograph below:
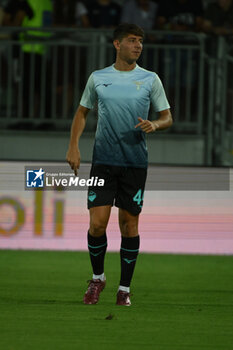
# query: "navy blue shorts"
123,187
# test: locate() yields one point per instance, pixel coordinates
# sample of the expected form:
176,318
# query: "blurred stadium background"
181,301
38,98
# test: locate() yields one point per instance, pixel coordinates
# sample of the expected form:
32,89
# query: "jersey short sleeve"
89,95
158,96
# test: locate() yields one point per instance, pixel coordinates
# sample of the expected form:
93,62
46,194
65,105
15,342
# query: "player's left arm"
163,122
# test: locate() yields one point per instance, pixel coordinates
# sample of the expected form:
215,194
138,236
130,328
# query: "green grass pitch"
179,302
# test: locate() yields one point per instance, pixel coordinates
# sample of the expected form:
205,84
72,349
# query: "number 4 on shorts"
138,197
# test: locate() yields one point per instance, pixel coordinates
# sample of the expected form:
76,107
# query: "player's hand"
146,125
73,158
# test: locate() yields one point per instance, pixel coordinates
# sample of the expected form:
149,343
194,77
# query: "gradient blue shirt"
122,97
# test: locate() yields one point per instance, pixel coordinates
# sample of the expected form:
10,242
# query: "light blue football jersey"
122,97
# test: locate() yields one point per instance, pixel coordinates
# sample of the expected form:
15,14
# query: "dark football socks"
97,248
129,252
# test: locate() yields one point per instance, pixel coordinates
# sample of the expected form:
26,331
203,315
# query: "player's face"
129,48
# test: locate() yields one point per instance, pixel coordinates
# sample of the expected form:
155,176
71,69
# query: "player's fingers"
145,126
142,121
148,128
139,124
75,167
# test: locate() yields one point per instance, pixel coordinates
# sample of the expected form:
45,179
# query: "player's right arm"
78,125
87,102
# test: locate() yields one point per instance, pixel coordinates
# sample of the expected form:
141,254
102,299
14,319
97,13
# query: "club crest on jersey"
138,84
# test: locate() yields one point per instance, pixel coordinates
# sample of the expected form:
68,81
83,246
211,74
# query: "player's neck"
124,66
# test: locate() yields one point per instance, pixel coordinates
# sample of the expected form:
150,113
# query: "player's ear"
116,44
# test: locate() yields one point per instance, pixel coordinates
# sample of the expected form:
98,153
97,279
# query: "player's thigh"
99,217
130,190
102,195
128,223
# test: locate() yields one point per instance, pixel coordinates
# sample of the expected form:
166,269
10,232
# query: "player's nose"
138,45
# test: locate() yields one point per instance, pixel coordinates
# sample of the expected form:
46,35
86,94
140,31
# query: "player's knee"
129,229
97,228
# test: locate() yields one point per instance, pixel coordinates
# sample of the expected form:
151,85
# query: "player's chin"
137,55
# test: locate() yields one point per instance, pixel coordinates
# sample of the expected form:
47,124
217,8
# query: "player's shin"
128,253
97,247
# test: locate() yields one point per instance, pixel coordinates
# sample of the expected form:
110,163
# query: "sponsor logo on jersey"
105,84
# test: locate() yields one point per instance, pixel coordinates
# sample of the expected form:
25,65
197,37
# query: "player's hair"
124,29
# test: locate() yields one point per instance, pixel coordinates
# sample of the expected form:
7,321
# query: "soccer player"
124,92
